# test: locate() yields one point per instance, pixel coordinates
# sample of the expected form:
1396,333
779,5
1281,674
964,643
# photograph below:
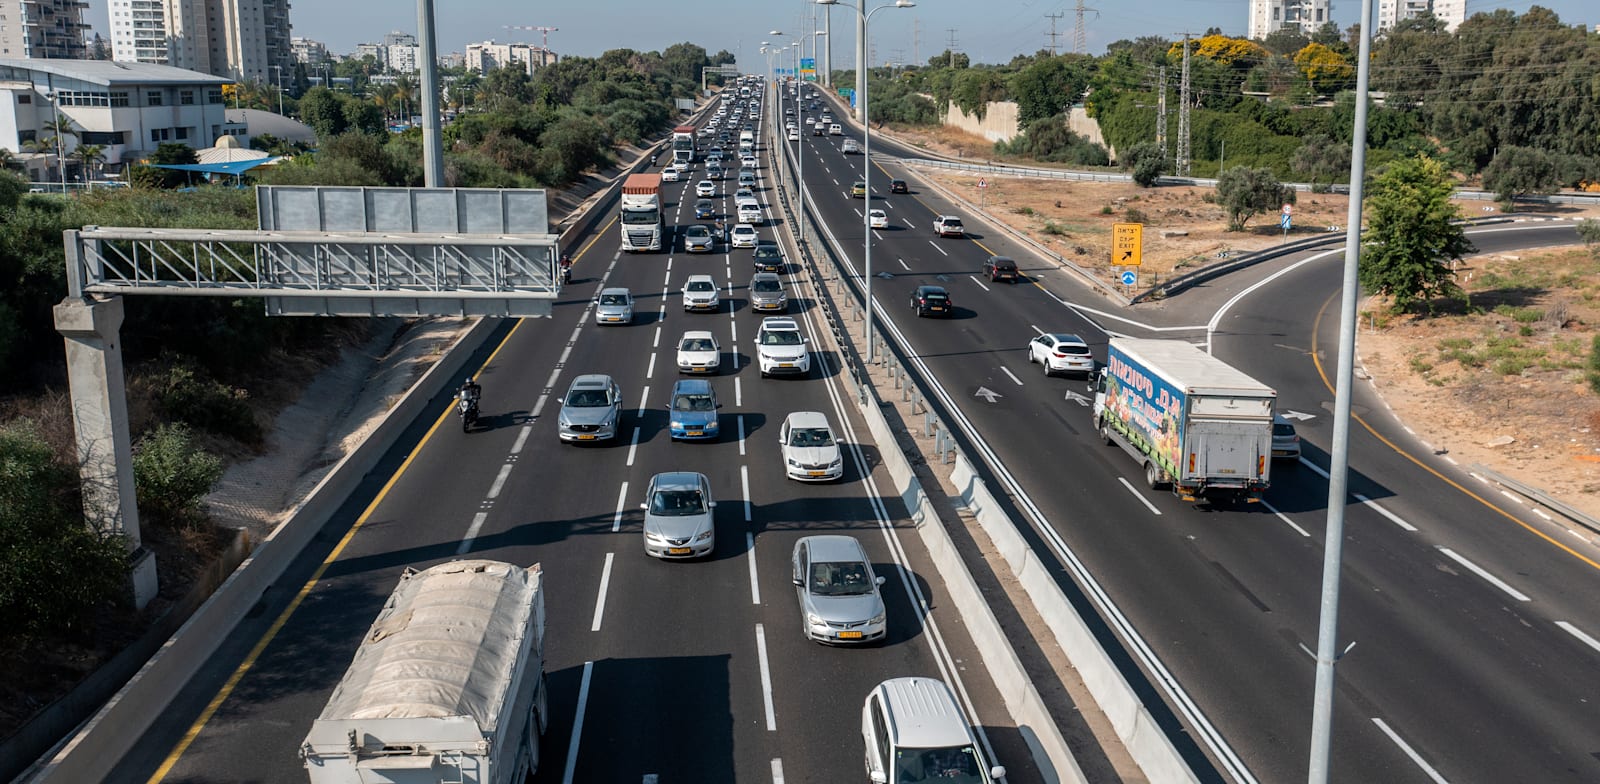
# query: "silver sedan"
838,593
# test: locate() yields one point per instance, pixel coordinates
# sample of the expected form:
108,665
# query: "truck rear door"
1225,452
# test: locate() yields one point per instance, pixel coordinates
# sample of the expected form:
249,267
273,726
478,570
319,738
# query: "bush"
1594,364
184,395
172,476
54,570
1147,163
1135,215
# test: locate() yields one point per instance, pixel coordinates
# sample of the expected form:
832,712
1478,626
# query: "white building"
489,55
305,50
43,29
401,58
239,39
1270,16
1393,12
128,109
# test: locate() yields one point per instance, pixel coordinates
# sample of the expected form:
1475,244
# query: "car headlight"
703,535
794,462
711,425
677,425
876,619
835,463
814,619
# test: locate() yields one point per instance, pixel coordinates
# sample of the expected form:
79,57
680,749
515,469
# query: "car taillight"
1061,356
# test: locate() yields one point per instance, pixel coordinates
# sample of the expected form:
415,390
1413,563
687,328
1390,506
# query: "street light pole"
866,148
278,75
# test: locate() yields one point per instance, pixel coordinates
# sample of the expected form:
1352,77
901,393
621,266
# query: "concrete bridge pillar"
100,422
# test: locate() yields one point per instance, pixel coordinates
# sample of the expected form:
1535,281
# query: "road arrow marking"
1296,415
1079,399
988,394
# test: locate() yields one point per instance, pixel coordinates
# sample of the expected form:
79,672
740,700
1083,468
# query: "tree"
1245,193
948,59
89,156
323,111
1410,234
1321,159
1589,231
1323,66
1147,163
1047,87
1519,171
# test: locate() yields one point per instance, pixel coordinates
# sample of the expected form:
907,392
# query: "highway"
1474,622
684,671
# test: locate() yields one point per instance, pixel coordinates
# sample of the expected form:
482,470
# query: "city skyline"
992,33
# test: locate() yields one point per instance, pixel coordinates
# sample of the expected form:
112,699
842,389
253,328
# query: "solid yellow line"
1315,358
305,590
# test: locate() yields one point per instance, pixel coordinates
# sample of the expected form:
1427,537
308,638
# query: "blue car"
705,208
692,411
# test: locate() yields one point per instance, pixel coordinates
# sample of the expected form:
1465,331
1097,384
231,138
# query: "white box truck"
1191,420
448,684
641,212
683,151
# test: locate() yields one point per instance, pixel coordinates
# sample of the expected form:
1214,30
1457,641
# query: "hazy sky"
990,31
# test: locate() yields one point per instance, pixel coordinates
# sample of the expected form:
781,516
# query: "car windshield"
698,344
811,436
931,295
782,337
693,403
700,285
766,286
952,223
588,398
953,765
677,503
697,232
840,578
1282,429
766,251
613,299
743,232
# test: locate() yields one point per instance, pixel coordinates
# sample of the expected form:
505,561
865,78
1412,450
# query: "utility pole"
827,51
916,41
952,32
1182,165
1053,34
1161,114
1080,33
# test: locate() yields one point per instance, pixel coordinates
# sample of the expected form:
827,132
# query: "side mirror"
878,777
997,772
711,504
644,506
797,580
880,580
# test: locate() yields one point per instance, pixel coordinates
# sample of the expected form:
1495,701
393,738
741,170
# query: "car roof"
931,290
780,322
677,480
697,278
616,290
692,386
698,334
998,259
833,547
765,275
923,713
1064,337
949,218
810,419
591,381
744,227
700,226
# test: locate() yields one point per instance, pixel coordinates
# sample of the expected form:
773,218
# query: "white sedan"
1061,353
744,236
670,174
705,189
698,353
878,219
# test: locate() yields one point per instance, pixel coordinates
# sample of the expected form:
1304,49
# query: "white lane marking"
733,326
643,396
600,601
979,282
1578,633
738,393
741,434
858,212
566,352
937,248
909,223
1007,371
1513,496
472,533
500,480
876,234
577,722
1481,572
1284,517
633,447
1140,496
766,678
903,264
750,548
1410,752
538,406
657,343
622,504
1540,512
1314,467
777,771
551,381
1036,329
522,439
744,481
650,371
1394,518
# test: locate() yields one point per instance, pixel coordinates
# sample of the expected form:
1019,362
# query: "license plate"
694,432
816,473
678,551
585,438
849,635
786,364
936,308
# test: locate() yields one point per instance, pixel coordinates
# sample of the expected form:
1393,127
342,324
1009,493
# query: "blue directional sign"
1129,277
1285,222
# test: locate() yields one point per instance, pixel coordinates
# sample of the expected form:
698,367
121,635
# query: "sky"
989,31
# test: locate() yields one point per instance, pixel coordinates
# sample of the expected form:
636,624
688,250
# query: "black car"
767,257
898,186
1000,268
931,300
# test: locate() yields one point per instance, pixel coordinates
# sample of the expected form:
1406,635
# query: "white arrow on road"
1077,398
1296,415
988,394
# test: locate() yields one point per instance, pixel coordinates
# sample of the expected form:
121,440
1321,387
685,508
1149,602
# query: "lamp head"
827,2
775,32
904,4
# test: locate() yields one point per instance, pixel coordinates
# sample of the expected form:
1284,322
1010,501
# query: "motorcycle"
467,409
566,271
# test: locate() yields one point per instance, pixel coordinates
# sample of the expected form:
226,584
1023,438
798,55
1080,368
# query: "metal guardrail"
1539,495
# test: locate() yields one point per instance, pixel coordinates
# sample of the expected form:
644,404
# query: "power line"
1181,167
1080,34
1053,34
952,32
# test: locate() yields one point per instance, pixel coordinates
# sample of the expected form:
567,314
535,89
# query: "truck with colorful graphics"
1194,423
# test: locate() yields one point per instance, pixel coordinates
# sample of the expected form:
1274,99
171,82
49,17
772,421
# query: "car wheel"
1046,365
1105,433
1152,476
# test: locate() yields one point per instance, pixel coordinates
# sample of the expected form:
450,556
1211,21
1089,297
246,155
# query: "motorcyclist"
566,269
469,393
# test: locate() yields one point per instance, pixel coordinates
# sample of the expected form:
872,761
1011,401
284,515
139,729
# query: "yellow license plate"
693,433
849,635
816,473
786,364
686,551
585,438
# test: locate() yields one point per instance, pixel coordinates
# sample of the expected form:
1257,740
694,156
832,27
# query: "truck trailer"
683,151
1194,422
448,684
641,212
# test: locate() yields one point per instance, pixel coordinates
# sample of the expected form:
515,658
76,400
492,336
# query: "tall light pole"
866,146
277,71
799,151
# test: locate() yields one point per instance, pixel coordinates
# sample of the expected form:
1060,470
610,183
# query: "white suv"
913,727
780,348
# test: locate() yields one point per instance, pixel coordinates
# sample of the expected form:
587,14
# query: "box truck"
448,684
641,212
683,151
1194,422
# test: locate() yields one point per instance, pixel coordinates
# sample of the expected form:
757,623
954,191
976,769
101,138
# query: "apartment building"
1270,16
238,39
487,56
41,29
305,50
1393,12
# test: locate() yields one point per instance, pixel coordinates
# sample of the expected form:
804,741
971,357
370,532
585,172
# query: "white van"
747,136
750,212
914,731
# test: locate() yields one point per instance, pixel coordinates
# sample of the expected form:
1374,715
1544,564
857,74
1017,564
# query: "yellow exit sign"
1127,244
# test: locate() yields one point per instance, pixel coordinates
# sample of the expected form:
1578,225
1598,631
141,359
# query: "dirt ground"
1500,381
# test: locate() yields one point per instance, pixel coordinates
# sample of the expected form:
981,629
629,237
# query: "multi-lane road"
1474,621
684,671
